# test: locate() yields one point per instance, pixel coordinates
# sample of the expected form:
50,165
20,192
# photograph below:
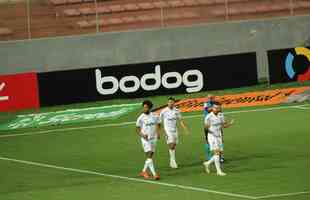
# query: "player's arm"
207,127
140,133
139,130
228,124
158,131
158,121
160,128
207,123
183,125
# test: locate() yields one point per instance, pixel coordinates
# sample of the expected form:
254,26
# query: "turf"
266,153
159,100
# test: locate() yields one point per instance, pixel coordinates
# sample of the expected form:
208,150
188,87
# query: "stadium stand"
49,18
5,31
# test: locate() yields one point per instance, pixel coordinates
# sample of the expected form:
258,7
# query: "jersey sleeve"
222,117
207,119
157,119
161,116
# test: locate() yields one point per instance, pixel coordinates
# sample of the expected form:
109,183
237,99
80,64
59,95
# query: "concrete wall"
154,45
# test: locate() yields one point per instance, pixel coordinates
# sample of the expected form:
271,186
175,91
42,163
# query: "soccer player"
214,124
207,109
170,116
147,128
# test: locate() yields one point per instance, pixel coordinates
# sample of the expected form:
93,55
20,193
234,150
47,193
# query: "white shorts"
149,145
172,137
215,143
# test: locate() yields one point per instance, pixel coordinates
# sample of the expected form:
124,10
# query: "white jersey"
215,123
169,117
148,124
221,116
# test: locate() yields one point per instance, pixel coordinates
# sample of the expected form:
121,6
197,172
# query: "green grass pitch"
267,153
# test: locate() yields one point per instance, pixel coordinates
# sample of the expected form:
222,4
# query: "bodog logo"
296,68
159,79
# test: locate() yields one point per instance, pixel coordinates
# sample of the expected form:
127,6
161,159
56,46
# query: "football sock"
217,163
151,166
146,165
172,154
211,160
208,152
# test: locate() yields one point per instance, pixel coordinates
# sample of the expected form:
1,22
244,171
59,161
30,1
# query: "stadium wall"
107,49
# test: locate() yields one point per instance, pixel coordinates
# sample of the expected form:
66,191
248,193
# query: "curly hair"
148,103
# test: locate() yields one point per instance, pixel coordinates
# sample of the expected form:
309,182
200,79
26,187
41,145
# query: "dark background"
276,59
75,86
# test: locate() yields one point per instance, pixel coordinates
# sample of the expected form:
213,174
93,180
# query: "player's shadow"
184,168
235,164
238,169
247,158
245,163
193,164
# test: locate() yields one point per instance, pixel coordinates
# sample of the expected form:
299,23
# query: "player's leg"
215,147
216,159
173,163
210,141
172,140
150,163
222,159
208,152
217,154
149,149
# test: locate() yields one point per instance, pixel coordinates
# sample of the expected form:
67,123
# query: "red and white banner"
18,92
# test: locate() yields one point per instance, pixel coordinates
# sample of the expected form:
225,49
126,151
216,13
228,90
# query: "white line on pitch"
53,131
128,178
303,107
282,195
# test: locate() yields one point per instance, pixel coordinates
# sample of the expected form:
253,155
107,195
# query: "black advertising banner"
147,79
286,65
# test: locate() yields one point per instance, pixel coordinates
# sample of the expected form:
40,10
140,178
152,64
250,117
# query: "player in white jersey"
214,125
170,116
147,128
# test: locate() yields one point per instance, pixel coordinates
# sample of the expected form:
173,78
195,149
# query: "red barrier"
18,92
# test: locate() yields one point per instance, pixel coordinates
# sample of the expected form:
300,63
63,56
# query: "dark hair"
171,98
148,103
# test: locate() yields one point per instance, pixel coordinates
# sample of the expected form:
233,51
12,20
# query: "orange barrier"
268,97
